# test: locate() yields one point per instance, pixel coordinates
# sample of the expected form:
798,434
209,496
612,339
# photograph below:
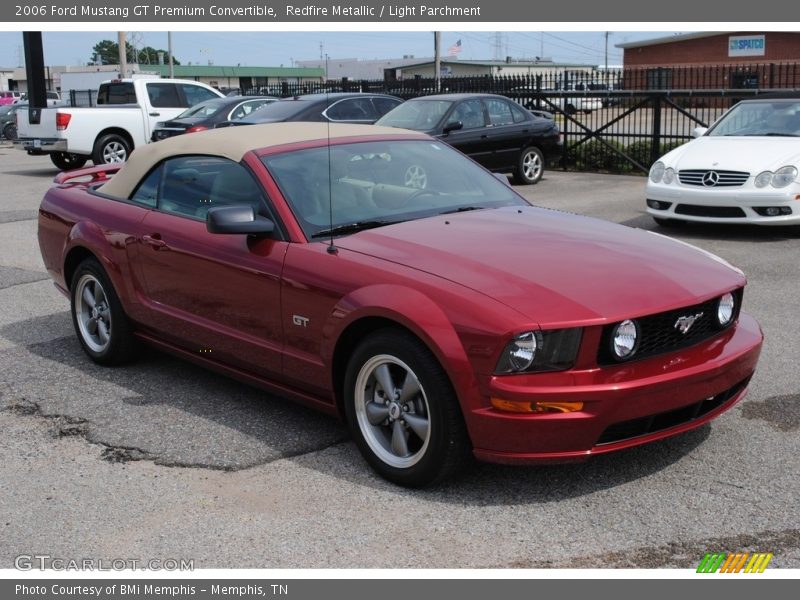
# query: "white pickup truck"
126,113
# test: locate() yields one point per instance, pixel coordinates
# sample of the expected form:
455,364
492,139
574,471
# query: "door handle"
155,241
155,114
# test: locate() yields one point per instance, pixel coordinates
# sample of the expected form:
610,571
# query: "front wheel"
103,328
530,167
109,149
402,411
67,161
10,131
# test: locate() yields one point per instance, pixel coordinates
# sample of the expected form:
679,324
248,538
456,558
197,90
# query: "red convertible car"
439,321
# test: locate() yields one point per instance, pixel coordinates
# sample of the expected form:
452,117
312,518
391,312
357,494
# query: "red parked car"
440,322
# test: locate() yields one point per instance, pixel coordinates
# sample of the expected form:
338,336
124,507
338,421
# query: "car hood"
751,154
556,269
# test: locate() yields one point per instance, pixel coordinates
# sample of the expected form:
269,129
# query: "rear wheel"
530,166
402,411
67,161
111,148
103,328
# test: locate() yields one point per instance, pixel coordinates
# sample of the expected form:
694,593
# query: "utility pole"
437,61
169,49
123,51
606,53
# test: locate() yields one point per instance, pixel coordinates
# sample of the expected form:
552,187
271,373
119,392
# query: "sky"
272,49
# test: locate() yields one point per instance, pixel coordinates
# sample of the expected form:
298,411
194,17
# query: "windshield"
421,115
777,118
202,110
384,182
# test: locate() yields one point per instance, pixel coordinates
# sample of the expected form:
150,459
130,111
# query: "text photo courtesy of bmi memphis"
364,299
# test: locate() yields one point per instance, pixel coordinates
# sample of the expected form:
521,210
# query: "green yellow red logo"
740,562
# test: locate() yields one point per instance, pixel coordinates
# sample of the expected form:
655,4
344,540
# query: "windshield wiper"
352,228
462,209
776,134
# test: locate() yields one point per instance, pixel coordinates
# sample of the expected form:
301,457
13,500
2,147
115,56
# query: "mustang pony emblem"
684,324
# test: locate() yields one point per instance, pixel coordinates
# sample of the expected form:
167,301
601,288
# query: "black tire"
10,131
530,166
111,148
67,161
669,223
100,312
429,420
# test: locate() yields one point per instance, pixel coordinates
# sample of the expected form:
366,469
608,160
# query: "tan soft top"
233,143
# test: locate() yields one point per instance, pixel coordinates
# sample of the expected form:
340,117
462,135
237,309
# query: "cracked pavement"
164,459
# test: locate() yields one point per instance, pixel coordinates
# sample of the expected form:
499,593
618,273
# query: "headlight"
783,177
725,309
553,350
669,176
657,172
624,339
763,179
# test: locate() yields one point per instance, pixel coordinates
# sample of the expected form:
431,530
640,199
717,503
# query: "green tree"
107,52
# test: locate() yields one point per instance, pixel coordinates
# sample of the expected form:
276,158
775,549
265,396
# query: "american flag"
454,49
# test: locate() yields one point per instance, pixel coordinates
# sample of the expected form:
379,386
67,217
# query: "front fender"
414,311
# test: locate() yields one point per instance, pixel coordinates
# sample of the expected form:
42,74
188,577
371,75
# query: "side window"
470,113
146,192
192,184
499,112
353,109
384,105
163,95
520,114
196,94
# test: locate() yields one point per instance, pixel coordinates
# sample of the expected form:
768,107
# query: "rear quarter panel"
71,218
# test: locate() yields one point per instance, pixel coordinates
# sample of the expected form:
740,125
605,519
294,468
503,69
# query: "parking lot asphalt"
161,459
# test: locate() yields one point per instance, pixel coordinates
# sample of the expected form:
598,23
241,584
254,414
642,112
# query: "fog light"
773,211
624,339
725,309
658,204
516,406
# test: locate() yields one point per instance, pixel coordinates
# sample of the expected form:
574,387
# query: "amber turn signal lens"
536,407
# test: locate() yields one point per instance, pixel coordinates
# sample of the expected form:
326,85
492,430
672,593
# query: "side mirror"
699,131
239,218
453,126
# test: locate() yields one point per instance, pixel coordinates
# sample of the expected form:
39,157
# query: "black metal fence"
616,120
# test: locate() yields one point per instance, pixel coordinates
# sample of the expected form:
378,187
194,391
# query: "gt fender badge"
300,321
684,324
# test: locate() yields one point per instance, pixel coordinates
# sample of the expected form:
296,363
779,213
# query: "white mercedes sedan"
744,169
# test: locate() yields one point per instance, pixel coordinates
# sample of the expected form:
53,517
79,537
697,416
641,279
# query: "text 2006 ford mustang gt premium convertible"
439,319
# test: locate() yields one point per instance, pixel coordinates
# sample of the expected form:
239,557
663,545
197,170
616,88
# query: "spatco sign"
746,45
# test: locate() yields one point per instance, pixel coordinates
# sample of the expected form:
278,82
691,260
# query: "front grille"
626,430
712,177
721,212
658,333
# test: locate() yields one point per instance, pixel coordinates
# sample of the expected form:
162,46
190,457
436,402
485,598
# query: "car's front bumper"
744,204
625,405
